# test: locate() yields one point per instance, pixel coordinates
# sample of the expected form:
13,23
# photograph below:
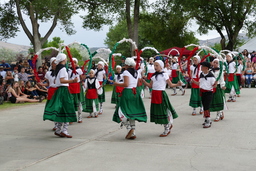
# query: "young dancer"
195,98
100,74
93,88
161,110
206,83
218,100
130,107
116,93
232,86
176,76
151,71
61,107
76,89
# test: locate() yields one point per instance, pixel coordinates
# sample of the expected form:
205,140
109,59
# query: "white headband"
198,58
101,63
118,66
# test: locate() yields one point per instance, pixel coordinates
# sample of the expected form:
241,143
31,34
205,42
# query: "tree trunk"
136,22
129,23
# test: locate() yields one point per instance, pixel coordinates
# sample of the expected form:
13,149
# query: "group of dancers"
70,90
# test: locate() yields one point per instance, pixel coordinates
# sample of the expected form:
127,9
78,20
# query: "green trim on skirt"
131,106
115,96
229,85
61,107
102,96
89,105
158,112
195,98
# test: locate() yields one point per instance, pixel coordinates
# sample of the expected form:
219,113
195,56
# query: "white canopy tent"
250,45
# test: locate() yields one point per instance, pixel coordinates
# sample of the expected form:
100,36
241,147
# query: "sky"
89,37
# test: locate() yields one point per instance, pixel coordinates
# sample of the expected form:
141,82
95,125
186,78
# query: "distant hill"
14,47
211,42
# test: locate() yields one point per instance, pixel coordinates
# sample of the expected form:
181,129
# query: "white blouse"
132,81
160,82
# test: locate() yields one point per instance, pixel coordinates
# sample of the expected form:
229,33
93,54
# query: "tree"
230,16
51,11
156,30
106,11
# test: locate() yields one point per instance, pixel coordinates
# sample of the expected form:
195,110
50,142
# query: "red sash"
214,90
231,77
91,94
119,89
203,91
51,91
101,82
74,88
149,76
174,73
193,85
157,97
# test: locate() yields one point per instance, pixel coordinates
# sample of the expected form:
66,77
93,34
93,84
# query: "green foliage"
155,30
7,55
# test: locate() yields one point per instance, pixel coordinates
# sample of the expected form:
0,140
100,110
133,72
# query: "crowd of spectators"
18,84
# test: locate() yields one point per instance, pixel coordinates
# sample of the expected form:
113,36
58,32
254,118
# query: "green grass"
8,105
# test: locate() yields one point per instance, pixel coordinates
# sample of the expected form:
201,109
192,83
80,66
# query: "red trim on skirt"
51,92
157,97
74,88
91,94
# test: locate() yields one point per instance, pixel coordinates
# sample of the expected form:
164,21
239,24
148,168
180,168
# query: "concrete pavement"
98,144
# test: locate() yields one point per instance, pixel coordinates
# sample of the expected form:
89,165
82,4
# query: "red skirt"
174,73
119,89
230,77
193,85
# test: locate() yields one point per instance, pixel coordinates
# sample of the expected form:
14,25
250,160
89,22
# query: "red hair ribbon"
85,62
34,68
71,60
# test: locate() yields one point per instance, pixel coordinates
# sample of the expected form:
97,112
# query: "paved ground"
98,144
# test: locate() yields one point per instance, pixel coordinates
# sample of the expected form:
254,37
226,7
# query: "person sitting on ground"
41,90
9,78
31,90
16,97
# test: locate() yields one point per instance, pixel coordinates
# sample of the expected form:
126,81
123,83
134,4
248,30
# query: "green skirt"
79,98
195,98
115,98
131,106
102,96
180,77
159,112
230,84
89,107
61,107
217,100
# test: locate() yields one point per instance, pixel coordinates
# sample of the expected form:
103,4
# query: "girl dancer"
176,76
151,71
161,110
131,106
116,93
91,99
61,107
218,99
76,89
195,98
232,86
100,74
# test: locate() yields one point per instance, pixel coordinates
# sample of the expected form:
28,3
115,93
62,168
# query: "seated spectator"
26,66
31,90
15,75
16,97
2,72
5,65
23,75
248,74
2,91
41,90
41,73
9,78
22,87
